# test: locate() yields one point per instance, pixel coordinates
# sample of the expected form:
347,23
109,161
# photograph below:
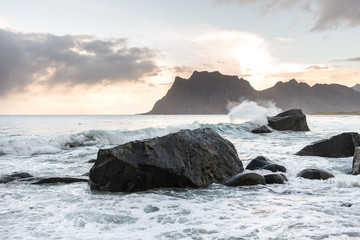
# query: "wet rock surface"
262,162
245,179
342,145
293,119
188,158
315,173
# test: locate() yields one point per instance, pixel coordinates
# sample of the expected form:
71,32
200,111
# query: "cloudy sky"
120,56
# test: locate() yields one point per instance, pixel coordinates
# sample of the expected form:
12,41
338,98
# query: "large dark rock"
338,146
314,173
262,162
293,119
356,162
188,158
262,129
278,178
245,179
14,176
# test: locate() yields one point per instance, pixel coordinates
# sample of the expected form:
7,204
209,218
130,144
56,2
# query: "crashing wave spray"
251,111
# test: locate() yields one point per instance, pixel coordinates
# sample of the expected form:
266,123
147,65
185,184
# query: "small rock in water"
91,161
272,178
262,162
314,173
15,176
151,209
274,167
61,179
245,179
262,129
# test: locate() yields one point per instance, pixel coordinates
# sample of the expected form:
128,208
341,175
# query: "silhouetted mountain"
204,93
356,87
318,98
210,93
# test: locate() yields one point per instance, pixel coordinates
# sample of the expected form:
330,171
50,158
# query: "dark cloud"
353,59
357,59
330,14
72,60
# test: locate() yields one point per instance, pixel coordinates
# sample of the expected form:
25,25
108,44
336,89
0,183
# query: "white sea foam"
252,111
299,209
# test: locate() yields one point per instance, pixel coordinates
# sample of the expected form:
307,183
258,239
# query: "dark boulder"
15,176
262,162
338,146
262,129
314,173
188,158
293,119
272,178
245,179
356,162
274,167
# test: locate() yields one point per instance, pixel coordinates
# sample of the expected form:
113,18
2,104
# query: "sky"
120,57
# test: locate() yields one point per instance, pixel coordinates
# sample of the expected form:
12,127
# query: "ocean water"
62,145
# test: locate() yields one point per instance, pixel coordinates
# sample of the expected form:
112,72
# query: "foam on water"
299,209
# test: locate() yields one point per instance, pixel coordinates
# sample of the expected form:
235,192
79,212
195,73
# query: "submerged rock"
293,119
314,173
15,176
188,158
60,179
272,178
245,179
262,129
342,145
262,162
356,162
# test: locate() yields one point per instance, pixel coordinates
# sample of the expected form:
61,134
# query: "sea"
63,145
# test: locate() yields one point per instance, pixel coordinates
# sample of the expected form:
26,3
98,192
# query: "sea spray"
252,111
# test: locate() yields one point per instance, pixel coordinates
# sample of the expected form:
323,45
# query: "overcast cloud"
330,14
50,60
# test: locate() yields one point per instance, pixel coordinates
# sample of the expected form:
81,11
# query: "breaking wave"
24,145
252,111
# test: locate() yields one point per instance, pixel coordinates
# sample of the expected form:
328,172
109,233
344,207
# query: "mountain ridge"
211,92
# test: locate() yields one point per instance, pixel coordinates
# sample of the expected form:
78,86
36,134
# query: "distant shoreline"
337,113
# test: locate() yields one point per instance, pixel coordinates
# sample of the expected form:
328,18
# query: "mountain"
356,87
318,98
211,92
204,93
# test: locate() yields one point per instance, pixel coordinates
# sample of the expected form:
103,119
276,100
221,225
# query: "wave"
24,145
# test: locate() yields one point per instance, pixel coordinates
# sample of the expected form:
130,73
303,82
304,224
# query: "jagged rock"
342,145
272,178
356,162
262,129
188,158
245,179
14,176
314,173
293,119
262,162
60,179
